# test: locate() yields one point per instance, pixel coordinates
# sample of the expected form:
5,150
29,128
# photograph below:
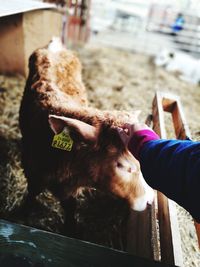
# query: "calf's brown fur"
55,98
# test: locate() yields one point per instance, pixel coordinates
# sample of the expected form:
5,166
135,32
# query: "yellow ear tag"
62,140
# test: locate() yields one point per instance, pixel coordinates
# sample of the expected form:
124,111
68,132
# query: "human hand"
127,131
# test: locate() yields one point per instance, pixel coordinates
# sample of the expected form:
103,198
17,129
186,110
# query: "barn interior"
116,42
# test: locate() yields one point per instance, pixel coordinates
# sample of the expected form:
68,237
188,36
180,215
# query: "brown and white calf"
55,100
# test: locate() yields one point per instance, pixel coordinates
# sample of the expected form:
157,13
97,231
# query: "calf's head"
101,159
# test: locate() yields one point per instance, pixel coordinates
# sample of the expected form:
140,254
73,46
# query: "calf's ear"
86,131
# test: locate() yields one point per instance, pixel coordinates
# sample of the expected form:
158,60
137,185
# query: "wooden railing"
164,102
155,233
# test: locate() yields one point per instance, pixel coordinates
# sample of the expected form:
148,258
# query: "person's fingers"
128,128
123,135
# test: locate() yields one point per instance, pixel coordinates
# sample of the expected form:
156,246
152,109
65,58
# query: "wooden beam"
197,225
30,246
170,242
166,244
172,104
158,116
142,239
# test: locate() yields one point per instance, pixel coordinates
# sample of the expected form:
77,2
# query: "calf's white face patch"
139,193
141,202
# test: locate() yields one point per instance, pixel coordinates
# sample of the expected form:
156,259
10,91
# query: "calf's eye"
119,165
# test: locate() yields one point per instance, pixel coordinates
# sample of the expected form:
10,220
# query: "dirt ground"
115,80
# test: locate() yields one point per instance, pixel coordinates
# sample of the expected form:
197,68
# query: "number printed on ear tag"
62,141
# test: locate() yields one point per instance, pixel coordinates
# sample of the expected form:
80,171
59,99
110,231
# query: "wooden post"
170,242
172,104
197,225
142,239
28,246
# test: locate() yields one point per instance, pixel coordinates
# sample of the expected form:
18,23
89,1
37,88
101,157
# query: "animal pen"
161,19
152,234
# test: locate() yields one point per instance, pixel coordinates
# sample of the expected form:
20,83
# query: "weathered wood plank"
158,116
172,104
170,242
197,225
48,249
139,234
155,239
176,238
180,125
166,245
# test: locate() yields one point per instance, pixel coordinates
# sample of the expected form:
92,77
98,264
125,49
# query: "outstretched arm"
173,167
170,166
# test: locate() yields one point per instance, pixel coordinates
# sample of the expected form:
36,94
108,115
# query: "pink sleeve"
139,138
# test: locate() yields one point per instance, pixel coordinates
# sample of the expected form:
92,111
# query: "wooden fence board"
170,243
197,225
47,249
139,234
170,103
